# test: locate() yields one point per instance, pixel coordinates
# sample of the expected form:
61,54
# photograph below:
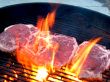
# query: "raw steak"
67,47
13,33
98,60
25,35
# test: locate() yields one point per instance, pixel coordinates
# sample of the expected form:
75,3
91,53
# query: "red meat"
25,36
11,34
96,62
67,47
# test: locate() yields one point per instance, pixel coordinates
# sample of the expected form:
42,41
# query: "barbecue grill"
73,21
12,71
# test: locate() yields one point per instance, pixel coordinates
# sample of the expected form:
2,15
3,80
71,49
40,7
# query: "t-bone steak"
25,35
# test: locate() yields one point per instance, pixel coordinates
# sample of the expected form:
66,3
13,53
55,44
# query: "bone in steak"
12,33
96,62
25,35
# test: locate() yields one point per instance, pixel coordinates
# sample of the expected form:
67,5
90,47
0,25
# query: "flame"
42,74
81,55
43,40
43,26
48,22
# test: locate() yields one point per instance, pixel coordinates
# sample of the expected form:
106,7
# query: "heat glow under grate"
12,71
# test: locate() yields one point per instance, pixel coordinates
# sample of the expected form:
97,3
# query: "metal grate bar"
63,76
7,65
11,74
5,78
14,66
4,60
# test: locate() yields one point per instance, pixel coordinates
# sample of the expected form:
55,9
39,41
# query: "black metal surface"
70,20
62,76
12,71
9,68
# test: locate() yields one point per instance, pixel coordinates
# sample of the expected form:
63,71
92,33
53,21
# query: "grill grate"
63,76
12,71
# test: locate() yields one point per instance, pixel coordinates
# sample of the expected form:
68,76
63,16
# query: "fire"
43,26
11,78
81,55
42,41
48,22
42,74
26,54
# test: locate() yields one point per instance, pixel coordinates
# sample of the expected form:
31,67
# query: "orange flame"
25,55
43,27
48,22
81,55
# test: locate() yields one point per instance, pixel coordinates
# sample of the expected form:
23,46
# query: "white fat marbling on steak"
7,42
28,25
